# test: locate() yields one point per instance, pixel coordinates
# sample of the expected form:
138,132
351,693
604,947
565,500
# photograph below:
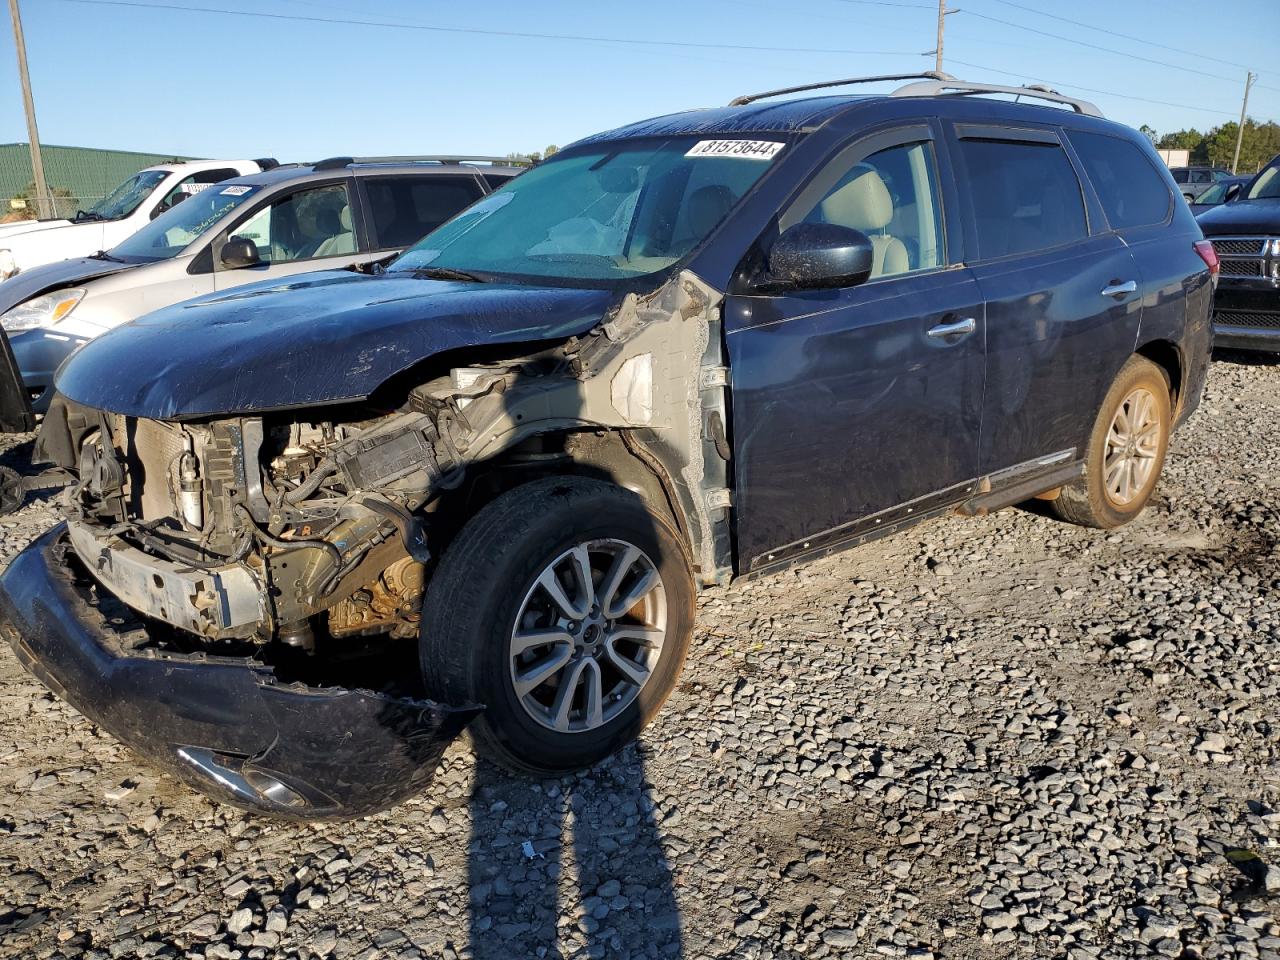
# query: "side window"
1132,192
302,226
892,197
406,209
196,182
495,180
1201,176
1180,175
1025,196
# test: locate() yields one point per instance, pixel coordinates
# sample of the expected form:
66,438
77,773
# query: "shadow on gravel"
1246,358
595,865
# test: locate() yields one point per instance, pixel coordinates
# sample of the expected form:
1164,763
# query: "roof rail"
753,97
335,163
950,87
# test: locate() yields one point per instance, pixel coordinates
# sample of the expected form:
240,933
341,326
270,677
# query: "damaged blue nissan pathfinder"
701,347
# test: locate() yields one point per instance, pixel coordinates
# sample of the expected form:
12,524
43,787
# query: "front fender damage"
227,726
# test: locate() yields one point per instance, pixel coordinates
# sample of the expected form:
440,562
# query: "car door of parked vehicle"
311,228
857,409
1062,293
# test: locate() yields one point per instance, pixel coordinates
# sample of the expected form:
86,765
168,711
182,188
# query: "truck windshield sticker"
235,191
747,149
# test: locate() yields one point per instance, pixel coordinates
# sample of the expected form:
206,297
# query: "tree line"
1215,147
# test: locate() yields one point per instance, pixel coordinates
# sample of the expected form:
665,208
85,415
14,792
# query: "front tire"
565,607
1126,450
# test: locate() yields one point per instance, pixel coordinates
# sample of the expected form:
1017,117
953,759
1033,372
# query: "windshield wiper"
83,215
447,273
103,255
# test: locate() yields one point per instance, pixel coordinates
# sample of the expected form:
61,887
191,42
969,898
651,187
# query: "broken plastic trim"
224,725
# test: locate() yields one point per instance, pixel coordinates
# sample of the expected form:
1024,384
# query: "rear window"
406,209
1132,192
1025,196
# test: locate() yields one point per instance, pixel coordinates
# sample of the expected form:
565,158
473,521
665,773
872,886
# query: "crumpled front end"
228,726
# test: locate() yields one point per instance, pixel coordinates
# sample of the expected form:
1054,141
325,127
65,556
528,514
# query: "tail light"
1208,255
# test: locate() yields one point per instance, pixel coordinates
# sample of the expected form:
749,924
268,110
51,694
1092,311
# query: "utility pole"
43,206
943,12
1249,79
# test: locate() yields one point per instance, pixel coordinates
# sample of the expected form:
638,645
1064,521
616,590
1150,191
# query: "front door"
312,228
858,408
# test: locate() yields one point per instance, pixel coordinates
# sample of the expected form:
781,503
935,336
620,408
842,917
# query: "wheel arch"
1166,355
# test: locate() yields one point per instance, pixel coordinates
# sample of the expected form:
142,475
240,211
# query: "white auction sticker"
235,191
747,149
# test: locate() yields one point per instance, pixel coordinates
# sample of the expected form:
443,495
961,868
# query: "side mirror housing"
1233,191
239,252
818,256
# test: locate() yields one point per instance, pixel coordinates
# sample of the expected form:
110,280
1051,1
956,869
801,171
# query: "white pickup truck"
127,208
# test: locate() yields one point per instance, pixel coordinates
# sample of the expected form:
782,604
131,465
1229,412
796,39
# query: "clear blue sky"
147,78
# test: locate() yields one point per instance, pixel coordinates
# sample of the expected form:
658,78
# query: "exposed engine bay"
273,527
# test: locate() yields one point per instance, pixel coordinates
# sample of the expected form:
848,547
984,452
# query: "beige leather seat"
864,204
339,243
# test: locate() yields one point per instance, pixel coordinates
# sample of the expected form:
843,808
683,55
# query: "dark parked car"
1246,235
294,218
1218,194
698,348
1193,181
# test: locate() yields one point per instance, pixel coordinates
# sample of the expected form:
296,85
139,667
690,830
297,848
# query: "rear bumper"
227,726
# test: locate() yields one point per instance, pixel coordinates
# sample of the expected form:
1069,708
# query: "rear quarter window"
1025,196
1130,188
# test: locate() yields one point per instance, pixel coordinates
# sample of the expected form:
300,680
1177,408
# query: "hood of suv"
328,338
1242,217
54,276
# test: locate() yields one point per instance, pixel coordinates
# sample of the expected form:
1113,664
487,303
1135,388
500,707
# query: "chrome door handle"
1120,289
960,328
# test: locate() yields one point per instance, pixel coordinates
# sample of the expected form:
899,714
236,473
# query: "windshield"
1214,194
1267,186
169,233
606,212
126,198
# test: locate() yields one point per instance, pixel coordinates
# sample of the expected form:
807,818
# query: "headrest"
707,207
863,203
344,217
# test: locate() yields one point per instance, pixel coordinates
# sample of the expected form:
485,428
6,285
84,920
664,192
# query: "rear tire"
509,600
1126,450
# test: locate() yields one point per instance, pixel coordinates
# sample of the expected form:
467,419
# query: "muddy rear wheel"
565,607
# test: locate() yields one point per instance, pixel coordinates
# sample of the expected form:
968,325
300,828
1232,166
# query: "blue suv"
698,348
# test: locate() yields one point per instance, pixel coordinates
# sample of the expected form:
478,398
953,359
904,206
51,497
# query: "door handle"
961,328
1118,289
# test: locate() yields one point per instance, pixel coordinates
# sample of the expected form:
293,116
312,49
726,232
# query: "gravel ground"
1003,737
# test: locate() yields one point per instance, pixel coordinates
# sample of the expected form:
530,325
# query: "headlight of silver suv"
42,311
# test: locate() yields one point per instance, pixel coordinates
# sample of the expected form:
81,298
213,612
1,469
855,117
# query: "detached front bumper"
227,726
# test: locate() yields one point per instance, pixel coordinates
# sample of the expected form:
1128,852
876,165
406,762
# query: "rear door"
1062,295
404,208
858,408
1139,208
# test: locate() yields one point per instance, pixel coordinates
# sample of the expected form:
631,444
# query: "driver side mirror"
1233,191
819,256
239,252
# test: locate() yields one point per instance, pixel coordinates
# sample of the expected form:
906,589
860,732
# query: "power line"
477,31
1108,93
1125,36
1094,46
891,3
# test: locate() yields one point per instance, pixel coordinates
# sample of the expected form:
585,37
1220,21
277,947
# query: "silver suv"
288,220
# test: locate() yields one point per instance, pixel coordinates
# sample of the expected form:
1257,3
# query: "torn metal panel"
224,725
332,337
